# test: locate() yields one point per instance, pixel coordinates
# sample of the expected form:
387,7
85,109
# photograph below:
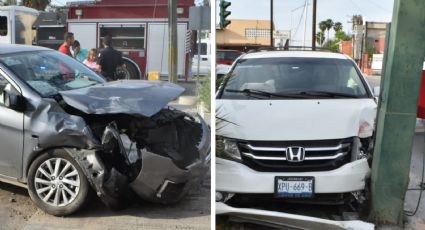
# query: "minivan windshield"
49,72
293,77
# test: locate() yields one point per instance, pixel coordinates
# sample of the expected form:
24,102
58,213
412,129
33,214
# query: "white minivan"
294,126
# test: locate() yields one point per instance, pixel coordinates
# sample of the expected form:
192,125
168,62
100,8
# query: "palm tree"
320,37
329,25
337,27
322,27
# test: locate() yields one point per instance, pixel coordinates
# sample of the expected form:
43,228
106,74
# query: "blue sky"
285,13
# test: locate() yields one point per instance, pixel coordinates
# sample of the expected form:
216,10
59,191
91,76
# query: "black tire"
132,70
81,196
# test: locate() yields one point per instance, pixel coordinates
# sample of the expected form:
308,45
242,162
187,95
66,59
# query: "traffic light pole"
396,119
224,13
271,23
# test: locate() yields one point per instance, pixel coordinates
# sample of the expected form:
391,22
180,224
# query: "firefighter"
109,60
66,45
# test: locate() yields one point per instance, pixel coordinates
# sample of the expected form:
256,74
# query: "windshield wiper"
325,94
251,92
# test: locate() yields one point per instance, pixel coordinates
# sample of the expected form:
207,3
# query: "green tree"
10,2
322,26
36,4
334,44
337,27
320,37
329,25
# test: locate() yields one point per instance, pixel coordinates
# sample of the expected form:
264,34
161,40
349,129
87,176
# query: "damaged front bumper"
238,178
158,177
286,220
163,181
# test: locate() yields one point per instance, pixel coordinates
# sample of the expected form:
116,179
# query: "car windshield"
300,78
49,72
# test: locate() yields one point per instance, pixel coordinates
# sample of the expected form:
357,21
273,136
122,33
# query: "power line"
379,6
301,18
355,5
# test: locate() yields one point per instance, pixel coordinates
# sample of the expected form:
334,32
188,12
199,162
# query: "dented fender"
159,178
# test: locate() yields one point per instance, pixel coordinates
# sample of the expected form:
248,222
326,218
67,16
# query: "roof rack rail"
291,48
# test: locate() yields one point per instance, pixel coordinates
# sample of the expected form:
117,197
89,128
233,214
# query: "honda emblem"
295,154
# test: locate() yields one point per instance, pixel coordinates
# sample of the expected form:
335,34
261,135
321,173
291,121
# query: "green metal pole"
397,112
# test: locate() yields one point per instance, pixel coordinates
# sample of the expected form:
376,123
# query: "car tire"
61,195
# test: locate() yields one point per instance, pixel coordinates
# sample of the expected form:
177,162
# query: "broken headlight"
227,149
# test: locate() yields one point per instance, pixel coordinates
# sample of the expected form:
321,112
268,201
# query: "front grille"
320,155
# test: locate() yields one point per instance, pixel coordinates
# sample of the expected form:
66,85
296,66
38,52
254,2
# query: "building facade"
244,35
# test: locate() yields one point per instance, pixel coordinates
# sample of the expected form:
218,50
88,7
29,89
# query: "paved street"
193,212
373,80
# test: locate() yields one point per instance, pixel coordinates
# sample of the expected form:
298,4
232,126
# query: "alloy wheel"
57,182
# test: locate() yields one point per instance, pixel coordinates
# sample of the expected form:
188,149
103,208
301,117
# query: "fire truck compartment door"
157,52
85,33
5,28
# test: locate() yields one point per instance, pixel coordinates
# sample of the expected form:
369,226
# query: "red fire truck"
139,29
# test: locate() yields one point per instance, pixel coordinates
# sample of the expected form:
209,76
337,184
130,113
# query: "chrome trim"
326,157
283,158
283,149
250,155
264,148
340,146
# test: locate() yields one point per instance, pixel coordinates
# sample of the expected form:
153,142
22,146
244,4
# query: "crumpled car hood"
134,97
268,120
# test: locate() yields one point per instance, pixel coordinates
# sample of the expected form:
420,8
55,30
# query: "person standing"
109,59
66,45
79,53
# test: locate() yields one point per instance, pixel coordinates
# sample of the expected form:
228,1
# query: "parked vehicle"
49,28
294,126
65,131
16,24
205,63
227,57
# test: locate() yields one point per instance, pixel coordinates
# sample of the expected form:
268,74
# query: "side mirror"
376,91
13,101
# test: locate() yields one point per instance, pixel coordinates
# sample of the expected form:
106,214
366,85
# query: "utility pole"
313,42
271,23
396,121
172,41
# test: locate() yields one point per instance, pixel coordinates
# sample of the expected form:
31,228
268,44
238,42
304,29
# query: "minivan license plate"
294,187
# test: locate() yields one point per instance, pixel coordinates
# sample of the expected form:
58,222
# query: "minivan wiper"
251,92
325,93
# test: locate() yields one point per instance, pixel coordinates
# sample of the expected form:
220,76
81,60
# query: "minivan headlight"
227,148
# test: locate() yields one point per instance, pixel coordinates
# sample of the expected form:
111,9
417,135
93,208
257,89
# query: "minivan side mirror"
376,91
13,100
